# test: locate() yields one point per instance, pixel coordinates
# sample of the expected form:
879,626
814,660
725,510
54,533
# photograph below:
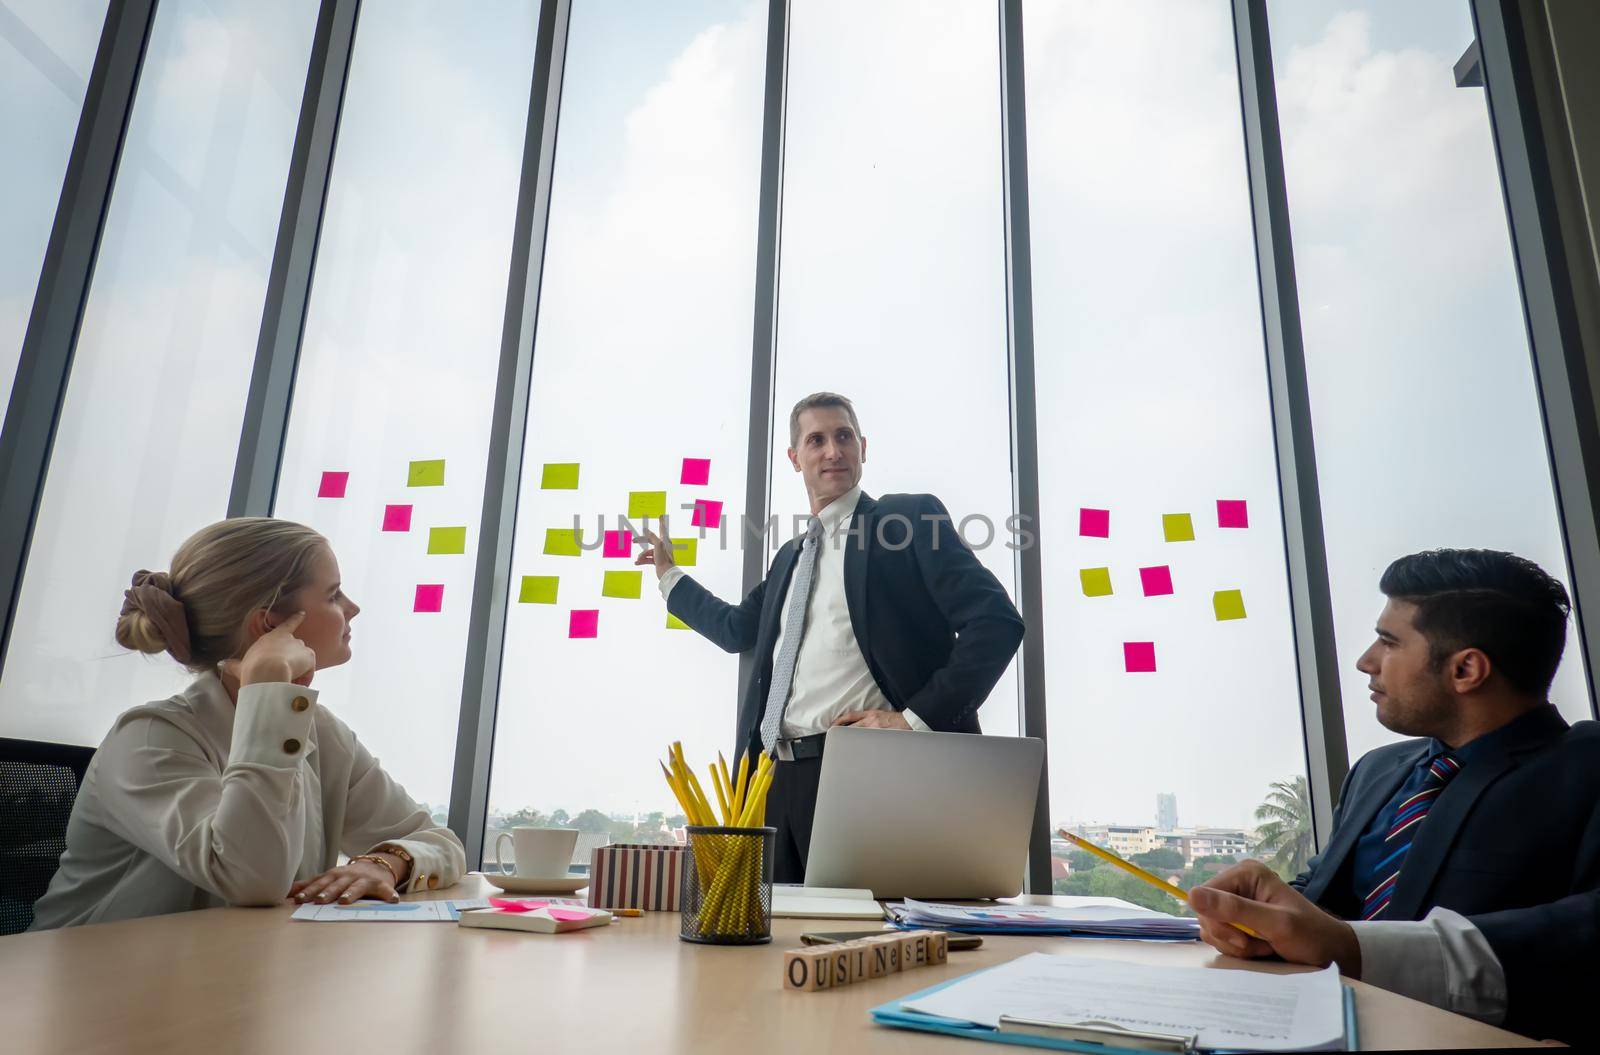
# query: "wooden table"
251,980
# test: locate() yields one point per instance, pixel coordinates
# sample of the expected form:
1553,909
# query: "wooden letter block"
807,969
859,960
841,959
891,947
877,957
913,953
938,947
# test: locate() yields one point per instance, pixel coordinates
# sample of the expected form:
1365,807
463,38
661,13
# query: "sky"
1151,379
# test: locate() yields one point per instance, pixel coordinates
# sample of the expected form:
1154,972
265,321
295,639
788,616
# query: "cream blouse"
193,803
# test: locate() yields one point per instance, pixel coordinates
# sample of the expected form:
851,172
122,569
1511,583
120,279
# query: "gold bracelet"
375,859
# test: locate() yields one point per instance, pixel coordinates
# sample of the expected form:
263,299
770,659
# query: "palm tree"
1286,836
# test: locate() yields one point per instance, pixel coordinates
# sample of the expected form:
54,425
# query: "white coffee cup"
540,853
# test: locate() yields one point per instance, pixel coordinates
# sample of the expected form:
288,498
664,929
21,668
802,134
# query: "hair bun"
152,619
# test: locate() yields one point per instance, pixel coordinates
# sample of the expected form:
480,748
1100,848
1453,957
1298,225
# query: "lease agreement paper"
1227,1009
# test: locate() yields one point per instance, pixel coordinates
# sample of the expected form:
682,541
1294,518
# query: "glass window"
1428,428
144,453
892,277
1174,702
642,360
47,48
397,367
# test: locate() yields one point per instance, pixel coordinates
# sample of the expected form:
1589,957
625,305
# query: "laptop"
924,815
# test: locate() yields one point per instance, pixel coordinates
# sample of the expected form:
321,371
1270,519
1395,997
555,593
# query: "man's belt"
804,747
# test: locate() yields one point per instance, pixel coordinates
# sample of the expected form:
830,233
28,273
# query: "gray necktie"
795,625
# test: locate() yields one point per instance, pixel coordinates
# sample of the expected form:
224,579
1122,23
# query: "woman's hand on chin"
276,657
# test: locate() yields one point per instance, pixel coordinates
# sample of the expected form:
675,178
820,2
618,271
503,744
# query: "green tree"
1286,837
1113,882
527,818
1162,861
560,818
592,821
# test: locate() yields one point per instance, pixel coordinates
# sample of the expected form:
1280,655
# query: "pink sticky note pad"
696,471
706,514
618,544
1094,523
333,485
584,622
1232,513
430,598
1156,581
397,518
1139,656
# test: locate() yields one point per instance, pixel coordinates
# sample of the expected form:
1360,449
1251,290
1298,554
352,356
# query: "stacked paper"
1102,917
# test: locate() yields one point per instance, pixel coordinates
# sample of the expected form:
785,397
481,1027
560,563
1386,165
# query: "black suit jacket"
935,626
1512,843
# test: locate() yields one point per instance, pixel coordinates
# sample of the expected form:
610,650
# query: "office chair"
38,783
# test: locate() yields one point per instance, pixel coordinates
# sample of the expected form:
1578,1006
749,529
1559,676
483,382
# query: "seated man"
1468,860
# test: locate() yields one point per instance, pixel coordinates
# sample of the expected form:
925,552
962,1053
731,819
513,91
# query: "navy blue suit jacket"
1512,843
936,627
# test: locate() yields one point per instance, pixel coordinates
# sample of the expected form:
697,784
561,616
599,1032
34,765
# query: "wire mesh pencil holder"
727,885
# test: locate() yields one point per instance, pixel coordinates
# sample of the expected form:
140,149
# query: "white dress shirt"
1441,959
192,803
831,676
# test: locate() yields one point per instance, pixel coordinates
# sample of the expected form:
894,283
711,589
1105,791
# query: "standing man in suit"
1464,866
878,616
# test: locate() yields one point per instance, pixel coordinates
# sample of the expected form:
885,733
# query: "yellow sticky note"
685,551
1229,604
1096,582
447,540
426,474
674,623
647,504
623,584
562,542
559,476
1177,527
539,589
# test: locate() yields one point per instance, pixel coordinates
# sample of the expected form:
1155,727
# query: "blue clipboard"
894,1015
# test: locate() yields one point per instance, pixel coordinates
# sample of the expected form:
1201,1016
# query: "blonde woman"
243,789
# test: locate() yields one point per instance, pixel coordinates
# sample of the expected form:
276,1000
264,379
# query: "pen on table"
1133,869
631,912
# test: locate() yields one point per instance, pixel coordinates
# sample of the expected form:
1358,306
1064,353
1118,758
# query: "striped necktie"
1403,830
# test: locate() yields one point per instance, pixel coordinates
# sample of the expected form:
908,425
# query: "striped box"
636,875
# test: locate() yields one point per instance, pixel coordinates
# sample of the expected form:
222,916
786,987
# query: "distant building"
1215,842
1124,840
1166,810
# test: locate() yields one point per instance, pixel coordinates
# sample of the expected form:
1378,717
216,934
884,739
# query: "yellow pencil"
1134,870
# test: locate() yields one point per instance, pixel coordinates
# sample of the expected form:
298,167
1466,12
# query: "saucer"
511,884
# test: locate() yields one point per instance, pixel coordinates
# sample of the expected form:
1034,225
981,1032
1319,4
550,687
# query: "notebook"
822,902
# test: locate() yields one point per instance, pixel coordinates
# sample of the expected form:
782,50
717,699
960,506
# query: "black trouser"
790,806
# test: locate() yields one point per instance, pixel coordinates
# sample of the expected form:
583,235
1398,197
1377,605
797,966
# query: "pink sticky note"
567,915
1139,656
397,518
584,622
1232,513
430,598
706,514
1156,581
618,544
1094,523
696,471
333,485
